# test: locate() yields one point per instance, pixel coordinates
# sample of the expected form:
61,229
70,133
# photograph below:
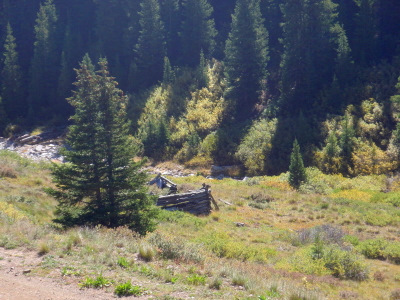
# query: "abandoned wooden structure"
195,202
163,182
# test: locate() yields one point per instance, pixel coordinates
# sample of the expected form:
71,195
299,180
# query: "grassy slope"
211,257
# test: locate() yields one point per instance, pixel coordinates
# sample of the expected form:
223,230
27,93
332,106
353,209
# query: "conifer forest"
209,82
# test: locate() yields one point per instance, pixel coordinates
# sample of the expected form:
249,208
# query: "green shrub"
254,149
127,289
224,246
123,262
8,243
345,265
147,271
373,248
208,146
196,279
392,252
170,277
352,240
394,200
98,282
378,218
315,184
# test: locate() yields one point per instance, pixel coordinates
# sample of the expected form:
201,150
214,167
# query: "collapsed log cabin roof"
163,182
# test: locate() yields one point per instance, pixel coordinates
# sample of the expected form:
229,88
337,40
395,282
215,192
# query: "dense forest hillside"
219,82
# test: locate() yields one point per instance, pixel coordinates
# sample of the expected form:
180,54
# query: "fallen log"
226,202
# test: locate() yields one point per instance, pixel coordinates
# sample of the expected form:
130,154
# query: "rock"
27,271
238,224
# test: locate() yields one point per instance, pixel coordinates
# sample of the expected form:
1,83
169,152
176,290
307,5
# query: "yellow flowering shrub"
352,194
10,211
368,158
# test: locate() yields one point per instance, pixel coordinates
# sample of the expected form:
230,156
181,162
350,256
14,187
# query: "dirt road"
17,281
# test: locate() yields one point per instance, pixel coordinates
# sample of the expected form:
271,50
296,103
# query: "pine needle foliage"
100,184
297,172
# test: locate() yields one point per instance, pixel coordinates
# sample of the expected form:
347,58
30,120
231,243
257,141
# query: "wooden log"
213,201
226,202
194,202
187,203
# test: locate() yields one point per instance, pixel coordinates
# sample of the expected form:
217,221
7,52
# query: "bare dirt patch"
18,281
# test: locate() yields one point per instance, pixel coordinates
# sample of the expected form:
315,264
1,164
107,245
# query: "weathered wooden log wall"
195,202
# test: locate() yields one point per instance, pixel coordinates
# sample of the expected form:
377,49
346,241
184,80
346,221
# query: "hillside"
231,82
337,238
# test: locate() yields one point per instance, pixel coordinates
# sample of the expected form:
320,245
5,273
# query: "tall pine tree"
11,79
198,31
246,57
170,15
150,49
100,183
309,52
43,74
366,32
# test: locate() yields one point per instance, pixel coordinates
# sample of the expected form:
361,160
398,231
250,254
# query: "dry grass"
228,261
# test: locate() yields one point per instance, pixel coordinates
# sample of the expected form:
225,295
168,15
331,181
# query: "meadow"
335,238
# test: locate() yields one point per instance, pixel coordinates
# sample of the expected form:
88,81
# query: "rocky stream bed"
46,147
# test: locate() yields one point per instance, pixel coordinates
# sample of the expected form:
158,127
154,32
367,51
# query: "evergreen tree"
64,87
3,117
202,77
344,65
198,31
389,28
246,57
347,144
112,18
331,155
309,52
100,183
272,13
365,42
170,15
68,61
396,132
11,79
130,38
297,172
43,83
347,11
168,74
150,49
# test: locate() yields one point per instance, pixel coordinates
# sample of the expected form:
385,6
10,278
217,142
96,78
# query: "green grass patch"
97,282
196,279
127,289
